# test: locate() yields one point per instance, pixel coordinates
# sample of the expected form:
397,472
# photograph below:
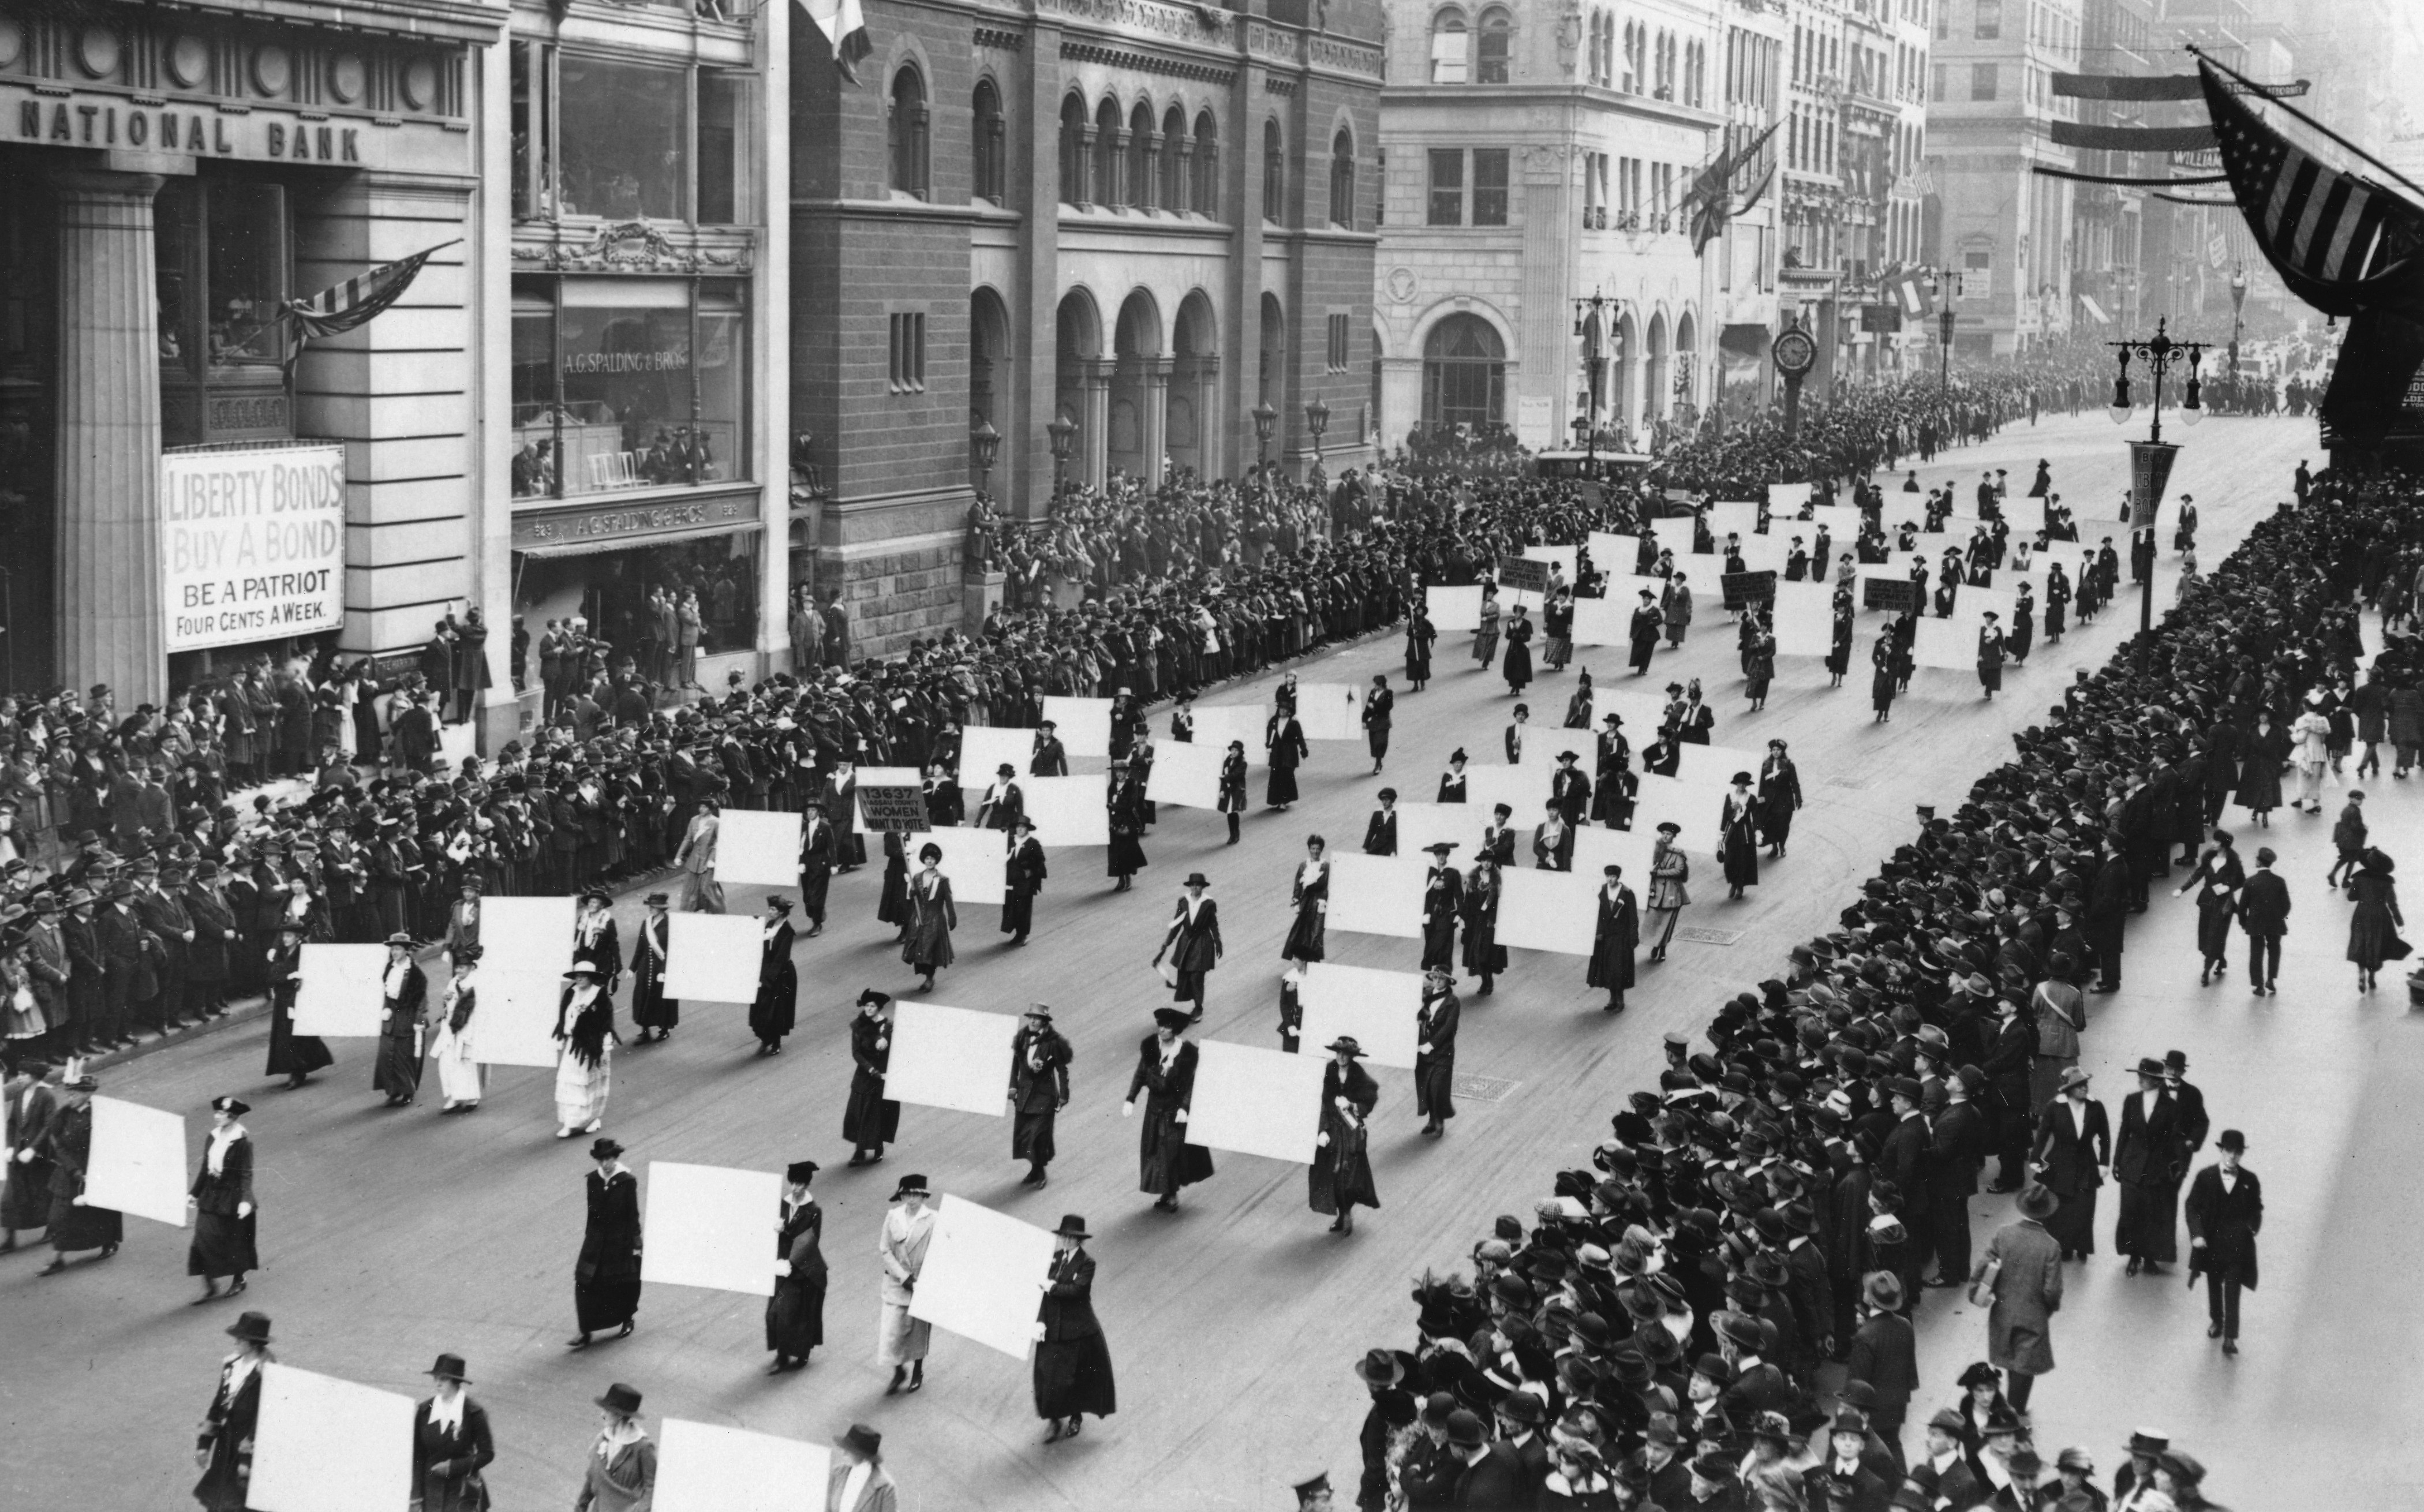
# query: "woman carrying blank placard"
1340,1173
932,917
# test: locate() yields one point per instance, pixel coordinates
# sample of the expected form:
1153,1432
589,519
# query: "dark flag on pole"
335,310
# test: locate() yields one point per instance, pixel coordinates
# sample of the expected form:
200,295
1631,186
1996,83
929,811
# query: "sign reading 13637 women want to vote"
252,544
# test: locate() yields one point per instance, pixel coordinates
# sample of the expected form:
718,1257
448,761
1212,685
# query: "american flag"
341,307
2341,242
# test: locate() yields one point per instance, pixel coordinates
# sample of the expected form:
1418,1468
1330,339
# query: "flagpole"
2224,68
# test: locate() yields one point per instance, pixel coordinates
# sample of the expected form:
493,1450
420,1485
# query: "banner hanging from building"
252,544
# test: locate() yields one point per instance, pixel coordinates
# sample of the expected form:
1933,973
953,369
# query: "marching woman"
223,1448
1420,636
1759,662
1484,957
402,1024
1618,934
1023,875
1166,1074
1738,823
460,1076
1578,707
222,1201
653,1014
595,940
1990,654
871,1121
1124,796
1340,1173
932,917
1451,781
1072,1365
1839,651
892,901
2221,875
451,1444
2024,623
2057,601
778,1004
795,1314
1310,891
901,1341
816,845
1193,942
1779,795
75,1224
1518,665
620,1473
1435,1026
2259,772
1642,631
1233,785
585,1067
1882,681
1669,870
1039,1090
1484,639
606,1278
1285,740
1379,707
291,1056
1442,905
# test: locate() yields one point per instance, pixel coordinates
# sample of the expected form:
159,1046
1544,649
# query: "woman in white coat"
2310,736
900,1340
458,1073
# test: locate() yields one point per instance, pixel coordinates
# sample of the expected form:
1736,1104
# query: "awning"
2095,311
594,545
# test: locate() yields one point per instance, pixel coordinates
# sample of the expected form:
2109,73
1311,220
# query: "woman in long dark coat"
932,917
223,1210
2074,1142
778,1004
892,904
653,1014
68,1144
871,1121
1484,957
1615,940
596,942
2259,773
1882,680
1310,891
2373,927
1738,823
2219,877
1165,1073
1193,942
1124,798
1073,1364
1420,635
1838,647
228,1423
606,1278
403,1002
1517,664
795,1314
291,1056
1340,1173
1288,750
1990,654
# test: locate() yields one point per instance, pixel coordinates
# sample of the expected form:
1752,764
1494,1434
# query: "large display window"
623,139
627,383
222,251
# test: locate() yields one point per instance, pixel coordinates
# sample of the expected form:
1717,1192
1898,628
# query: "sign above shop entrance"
51,116
611,527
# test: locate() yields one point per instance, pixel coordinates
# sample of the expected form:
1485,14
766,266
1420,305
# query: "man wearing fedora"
1885,1354
1166,1073
653,1014
901,1341
1340,1173
858,1481
795,1313
1072,1365
1039,1090
223,1446
620,1473
1383,1373
2225,1209
2022,1268
606,1277
451,1444
1488,1474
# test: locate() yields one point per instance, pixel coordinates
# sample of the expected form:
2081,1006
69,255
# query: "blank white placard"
1330,711
710,1226
954,1057
1787,498
1971,604
758,847
1692,805
1805,619
1548,910
1596,849
1843,524
1377,1008
1523,789
1734,518
1216,725
703,1467
1764,554
862,778
322,1444
1615,555
713,958
1422,826
1083,724
1186,773
1641,712
980,1279
532,935
1604,621
138,1163
1454,608
984,748
974,863
1949,644
341,989
1069,811
1562,555
513,1018
2026,515
1256,1101
1713,766
1377,895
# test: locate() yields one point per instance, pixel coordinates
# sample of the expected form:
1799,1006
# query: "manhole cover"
1701,936
1483,1088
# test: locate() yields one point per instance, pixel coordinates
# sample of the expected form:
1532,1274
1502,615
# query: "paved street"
392,1235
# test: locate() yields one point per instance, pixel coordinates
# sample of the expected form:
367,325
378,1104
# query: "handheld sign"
1742,589
1523,575
891,810
1895,596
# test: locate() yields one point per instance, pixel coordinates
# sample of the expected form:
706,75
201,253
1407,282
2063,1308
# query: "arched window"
1342,178
1075,161
1464,374
1274,172
1109,189
1205,196
1451,48
1173,160
1143,192
992,156
1634,57
1489,56
905,127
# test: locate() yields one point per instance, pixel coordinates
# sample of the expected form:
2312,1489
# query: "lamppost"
1266,418
1938,293
2238,305
2150,461
1317,419
1590,322
1063,431
984,444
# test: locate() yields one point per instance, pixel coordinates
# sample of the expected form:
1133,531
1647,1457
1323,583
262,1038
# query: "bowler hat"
1522,1407
449,1368
253,1328
1465,1430
1072,1226
2233,1142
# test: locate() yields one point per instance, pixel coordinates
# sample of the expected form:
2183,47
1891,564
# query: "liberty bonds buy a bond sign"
252,544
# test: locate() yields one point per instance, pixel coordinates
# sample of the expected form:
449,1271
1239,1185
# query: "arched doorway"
989,392
1082,383
1194,387
1464,374
1139,376
1654,396
1687,367
1625,369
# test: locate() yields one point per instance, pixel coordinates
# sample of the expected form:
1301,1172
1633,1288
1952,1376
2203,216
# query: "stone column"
1095,440
108,477
1154,430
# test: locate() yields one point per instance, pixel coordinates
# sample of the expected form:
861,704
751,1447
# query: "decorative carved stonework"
633,246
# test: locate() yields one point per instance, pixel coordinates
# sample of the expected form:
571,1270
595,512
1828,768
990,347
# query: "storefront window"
248,275
722,99
625,130
626,385
535,460
533,132
221,247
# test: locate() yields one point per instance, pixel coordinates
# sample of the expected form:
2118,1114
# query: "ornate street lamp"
2237,308
2151,460
984,444
1317,419
1063,431
1266,420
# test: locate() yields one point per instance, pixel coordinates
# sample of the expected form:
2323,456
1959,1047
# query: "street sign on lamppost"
984,444
2150,460
1063,431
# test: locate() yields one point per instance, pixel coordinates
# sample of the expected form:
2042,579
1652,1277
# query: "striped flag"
1911,294
335,310
845,27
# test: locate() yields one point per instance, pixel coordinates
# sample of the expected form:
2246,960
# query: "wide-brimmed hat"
621,1400
1345,1043
1072,1226
1884,1291
232,1107
913,1185
252,1327
449,1368
1196,878
2039,1201
399,937
1380,1367
604,1148
1175,1020
656,900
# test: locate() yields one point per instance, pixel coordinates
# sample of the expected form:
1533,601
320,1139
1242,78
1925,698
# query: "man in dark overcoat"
2225,1209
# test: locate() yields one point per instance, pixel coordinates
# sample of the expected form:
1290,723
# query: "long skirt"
1017,911
1991,676
581,1089
2074,1226
651,1009
25,1201
291,1054
1340,1173
397,1072
1126,857
1282,788
1165,1161
2213,926
1485,645
816,882
73,1228
459,1076
701,893
1433,1080
604,1301
795,1314
1074,1377
868,1120
2149,1221
1030,1136
901,1338
1305,939
222,1245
